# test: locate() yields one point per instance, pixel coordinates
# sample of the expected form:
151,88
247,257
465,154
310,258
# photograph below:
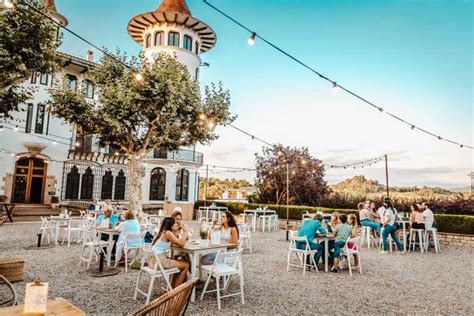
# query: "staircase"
32,212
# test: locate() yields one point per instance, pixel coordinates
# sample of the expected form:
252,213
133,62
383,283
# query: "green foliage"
306,175
216,186
28,43
460,224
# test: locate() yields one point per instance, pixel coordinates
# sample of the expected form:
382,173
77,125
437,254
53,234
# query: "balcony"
90,144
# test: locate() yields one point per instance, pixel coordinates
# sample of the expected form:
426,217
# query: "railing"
90,144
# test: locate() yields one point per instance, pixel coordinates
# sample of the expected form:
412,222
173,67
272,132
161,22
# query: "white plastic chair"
156,272
226,265
74,227
275,222
265,221
46,229
138,243
245,237
301,254
92,243
354,251
367,236
413,243
434,232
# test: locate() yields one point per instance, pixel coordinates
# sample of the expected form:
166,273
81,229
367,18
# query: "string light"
138,76
320,75
251,40
54,142
211,124
16,128
202,116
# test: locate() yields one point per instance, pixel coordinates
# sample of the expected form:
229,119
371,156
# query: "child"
342,231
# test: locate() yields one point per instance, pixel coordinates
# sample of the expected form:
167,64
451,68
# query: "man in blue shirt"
309,228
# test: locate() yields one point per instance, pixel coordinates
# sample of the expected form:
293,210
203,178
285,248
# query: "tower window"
147,40
159,36
188,43
173,39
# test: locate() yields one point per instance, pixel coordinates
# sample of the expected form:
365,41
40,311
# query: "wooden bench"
12,268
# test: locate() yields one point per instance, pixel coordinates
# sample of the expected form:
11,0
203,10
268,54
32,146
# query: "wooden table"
9,210
326,240
195,252
54,307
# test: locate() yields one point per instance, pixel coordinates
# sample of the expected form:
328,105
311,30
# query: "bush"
460,224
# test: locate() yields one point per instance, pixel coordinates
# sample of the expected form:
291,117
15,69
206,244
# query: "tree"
28,42
306,183
163,109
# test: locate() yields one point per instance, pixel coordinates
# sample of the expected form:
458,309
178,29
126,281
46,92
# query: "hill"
466,189
216,186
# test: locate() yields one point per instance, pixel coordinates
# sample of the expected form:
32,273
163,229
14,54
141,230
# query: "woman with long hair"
162,242
389,228
229,234
416,218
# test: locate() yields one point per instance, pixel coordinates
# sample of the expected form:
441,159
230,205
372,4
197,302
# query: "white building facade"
42,161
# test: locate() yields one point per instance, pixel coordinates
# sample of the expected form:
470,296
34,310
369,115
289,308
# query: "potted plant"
203,233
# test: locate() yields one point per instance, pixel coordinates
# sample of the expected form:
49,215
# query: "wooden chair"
171,303
7,293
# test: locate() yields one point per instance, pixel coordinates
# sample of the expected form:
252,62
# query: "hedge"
459,224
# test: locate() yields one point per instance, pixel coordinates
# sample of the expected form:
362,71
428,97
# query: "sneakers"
383,252
334,270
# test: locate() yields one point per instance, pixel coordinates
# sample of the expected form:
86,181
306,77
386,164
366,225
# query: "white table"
195,252
58,220
326,240
404,223
256,213
211,212
111,233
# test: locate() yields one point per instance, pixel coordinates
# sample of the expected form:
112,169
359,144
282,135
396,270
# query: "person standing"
389,228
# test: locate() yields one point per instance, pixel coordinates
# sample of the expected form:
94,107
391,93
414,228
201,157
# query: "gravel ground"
391,284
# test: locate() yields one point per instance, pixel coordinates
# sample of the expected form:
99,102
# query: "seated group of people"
174,233
342,226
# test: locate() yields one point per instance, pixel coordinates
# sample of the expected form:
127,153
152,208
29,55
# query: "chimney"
90,56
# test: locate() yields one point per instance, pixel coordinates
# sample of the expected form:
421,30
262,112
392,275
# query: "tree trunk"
136,174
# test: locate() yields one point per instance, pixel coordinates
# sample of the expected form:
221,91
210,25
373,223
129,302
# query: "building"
41,157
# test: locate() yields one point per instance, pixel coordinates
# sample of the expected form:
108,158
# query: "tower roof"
179,6
172,12
51,7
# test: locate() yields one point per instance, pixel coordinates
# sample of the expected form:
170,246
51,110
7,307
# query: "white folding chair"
155,272
245,238
92,243
226,265
46,229
74,227
354,251
301,254
131,242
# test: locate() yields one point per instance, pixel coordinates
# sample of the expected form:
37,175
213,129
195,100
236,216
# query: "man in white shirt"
427,215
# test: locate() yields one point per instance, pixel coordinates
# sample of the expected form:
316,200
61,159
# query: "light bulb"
303,161
78,144
202,116
279,153
211,124
138,76
16,128
54,142
251,39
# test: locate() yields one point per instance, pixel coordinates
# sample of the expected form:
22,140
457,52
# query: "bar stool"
389,240
413,243
275,222
434,232
266,222
366,236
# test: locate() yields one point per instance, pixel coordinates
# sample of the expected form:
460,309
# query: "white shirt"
381,212
390,215
429,218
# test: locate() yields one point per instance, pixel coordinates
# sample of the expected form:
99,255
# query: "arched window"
196,48
120,182
159,37
182,185
173,39
188,43
107,184
147,40
157,184
72,184
87,185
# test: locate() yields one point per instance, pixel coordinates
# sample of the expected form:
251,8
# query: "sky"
412,57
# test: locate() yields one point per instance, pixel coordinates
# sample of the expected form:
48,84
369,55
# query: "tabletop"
108,231
190,246
54,307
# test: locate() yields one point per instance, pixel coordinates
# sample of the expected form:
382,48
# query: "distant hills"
360,186
462,190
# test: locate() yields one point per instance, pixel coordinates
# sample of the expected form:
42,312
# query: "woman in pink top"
351,244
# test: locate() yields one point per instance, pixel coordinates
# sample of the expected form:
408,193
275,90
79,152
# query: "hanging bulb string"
333,82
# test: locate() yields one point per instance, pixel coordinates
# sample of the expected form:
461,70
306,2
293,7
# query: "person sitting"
164,239
366,219
309,228
181,227
352,220
373,211
389,228
229,234
107,220
107,206
129,226
416,217
428,215
93,206
343,231
333,222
